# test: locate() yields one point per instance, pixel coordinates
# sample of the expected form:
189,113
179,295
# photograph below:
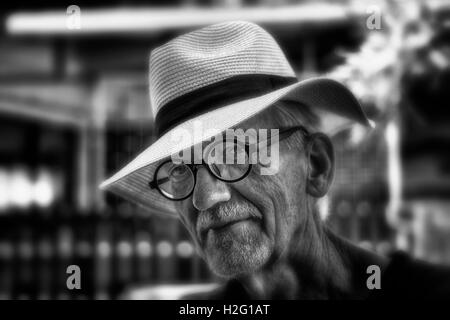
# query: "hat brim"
333,102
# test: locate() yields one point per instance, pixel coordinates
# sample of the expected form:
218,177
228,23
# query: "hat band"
216,95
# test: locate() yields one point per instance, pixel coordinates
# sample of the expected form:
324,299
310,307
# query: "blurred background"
74,108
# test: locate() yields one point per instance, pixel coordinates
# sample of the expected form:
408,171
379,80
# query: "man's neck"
318,265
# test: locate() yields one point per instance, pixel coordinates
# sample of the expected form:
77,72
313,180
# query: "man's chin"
237,249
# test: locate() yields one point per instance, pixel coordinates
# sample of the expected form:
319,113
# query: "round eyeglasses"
228,162
176,181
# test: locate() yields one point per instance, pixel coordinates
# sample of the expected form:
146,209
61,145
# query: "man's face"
237,227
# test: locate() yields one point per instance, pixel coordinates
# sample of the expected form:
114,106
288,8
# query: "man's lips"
222,217
221,225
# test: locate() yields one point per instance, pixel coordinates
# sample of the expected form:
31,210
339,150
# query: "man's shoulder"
408,278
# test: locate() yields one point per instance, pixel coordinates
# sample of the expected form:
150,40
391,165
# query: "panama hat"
216,78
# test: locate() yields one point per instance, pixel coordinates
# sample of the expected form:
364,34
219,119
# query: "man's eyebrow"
268,136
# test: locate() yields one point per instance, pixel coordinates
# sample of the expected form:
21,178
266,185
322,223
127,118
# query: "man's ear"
320,165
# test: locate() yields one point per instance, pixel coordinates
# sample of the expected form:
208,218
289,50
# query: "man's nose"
209,191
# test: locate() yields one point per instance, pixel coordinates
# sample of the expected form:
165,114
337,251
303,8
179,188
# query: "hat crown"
212,54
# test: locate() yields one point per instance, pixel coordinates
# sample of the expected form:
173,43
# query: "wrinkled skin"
265,231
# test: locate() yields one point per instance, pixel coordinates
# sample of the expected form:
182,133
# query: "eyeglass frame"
283,133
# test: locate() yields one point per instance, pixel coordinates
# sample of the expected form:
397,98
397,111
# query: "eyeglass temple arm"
286,132
154,183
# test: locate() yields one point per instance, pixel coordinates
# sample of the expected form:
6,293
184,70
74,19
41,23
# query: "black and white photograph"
245,150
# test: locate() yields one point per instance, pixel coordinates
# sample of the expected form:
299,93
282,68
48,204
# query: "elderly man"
253,220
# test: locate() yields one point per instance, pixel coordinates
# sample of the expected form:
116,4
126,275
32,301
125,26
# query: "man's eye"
230,154
179,172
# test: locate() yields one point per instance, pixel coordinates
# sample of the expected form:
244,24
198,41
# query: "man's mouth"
219,227
228,217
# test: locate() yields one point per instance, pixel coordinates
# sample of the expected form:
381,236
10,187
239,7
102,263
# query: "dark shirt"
407,278
404,278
